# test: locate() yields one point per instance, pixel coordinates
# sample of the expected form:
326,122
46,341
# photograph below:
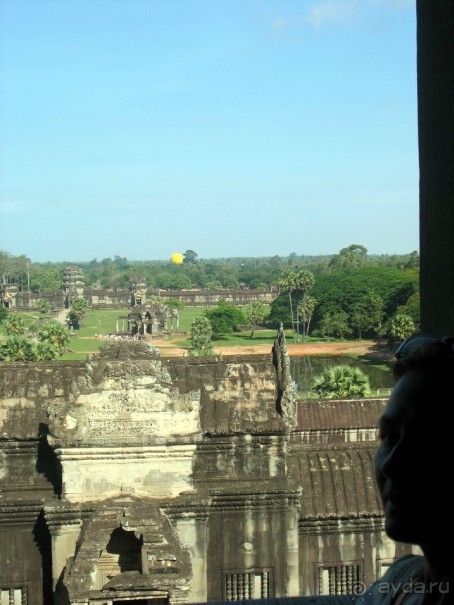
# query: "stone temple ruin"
136,478
144,319
73,286
270,506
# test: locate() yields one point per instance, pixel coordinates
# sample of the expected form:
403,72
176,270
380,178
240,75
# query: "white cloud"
338,11
329,11
394,4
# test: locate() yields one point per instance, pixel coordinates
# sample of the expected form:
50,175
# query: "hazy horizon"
220,258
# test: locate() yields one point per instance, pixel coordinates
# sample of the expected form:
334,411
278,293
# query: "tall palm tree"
255,313
287,283
306,308
297,283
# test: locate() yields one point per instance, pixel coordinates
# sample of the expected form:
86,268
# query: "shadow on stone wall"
42,538
47,462
128,547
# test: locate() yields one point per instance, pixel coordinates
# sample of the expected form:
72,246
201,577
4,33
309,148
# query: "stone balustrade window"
338,579
250,584
14,596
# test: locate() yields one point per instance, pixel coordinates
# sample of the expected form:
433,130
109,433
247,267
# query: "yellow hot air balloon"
176,258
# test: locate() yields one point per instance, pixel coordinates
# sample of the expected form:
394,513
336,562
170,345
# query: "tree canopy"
225,319
14,325
56,334
297,283
77,312
201,333
351,292
195,272
255,314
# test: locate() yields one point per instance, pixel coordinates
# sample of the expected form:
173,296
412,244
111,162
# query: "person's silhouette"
414,472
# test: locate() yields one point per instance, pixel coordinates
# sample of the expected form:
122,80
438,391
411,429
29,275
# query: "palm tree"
45,351
14,325
400,328
296,283
17,348
342,381
255,314
287,283
306,308
77,312
56,334
43,306
201,333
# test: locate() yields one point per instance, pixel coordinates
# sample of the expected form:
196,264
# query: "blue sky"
231,127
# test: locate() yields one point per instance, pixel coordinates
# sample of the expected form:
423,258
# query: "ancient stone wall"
210,298
130,466
121,298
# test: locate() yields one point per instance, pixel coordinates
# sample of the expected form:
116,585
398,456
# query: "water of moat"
304,368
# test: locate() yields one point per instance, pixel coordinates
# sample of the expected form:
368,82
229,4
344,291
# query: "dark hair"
434,357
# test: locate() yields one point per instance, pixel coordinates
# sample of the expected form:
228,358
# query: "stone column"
192,531
64,530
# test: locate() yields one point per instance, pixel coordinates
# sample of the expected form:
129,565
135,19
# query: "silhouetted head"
414,461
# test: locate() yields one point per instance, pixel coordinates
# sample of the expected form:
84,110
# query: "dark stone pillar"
436,162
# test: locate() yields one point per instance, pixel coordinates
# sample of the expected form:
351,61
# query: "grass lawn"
79,347
261,337
99,322
188,314
103,322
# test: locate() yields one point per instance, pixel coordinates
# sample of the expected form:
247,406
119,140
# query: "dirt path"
362,347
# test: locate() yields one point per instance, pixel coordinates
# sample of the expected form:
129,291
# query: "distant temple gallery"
73,286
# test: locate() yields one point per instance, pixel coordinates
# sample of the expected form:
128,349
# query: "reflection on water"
306,367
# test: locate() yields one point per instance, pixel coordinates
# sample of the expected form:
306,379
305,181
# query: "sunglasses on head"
412,344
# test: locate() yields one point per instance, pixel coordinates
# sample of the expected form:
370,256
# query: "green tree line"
235,272
358,302
347,294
